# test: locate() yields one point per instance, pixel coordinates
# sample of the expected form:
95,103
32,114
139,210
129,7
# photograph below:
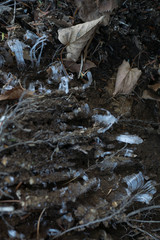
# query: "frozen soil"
58,170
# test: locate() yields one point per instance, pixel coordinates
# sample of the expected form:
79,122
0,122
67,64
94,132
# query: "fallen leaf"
155,87
75,67
152,92
107,5
148,94
90,10
126,79
15,93
76,37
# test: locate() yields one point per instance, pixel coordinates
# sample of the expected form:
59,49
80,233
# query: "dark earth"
57,170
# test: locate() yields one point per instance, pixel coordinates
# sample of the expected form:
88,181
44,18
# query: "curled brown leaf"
15,93
75,67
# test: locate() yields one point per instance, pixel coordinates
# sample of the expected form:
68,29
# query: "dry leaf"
126,79
75,67
155,87
15,93
76,37
152,92
90,10
107,5
149,94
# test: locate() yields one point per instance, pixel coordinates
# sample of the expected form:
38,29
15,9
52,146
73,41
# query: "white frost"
107,120
131,139
14,234
53,232
64,84
16,47
143,191
39,45
7,209
90,80
30,36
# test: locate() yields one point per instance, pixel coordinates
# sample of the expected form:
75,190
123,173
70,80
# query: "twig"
5,2
142,210
107,218
38,224
23,143
14,13
87,46
142,231
143,221
81,67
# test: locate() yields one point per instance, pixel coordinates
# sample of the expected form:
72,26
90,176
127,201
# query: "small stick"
81,67
38,224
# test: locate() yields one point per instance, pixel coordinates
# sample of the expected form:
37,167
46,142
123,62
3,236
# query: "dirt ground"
59,168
